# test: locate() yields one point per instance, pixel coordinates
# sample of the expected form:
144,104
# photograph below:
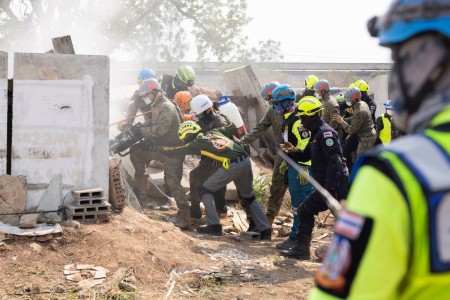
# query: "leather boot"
301,249
270,218
184,219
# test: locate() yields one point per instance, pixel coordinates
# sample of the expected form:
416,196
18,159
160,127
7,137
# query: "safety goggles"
281,107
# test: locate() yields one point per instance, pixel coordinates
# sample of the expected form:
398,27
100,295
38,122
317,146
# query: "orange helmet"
182,99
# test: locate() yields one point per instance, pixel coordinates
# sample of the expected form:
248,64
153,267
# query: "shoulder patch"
327,134
329,142
349,224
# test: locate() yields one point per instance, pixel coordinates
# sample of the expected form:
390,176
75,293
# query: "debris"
40,229
28,220
284,231
127,287
239,218
320,237
321,251
36,247
322,223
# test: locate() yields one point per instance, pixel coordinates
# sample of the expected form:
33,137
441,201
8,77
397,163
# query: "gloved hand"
122,126
283,167
302,177
135,131
288,147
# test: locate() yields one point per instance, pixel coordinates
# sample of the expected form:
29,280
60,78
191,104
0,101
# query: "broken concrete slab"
13,193
40,229
28,220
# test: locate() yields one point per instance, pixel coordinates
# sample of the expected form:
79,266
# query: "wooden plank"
63,45
239,219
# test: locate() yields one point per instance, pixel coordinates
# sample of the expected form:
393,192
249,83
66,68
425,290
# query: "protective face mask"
390,112
317,95
348,103
147,101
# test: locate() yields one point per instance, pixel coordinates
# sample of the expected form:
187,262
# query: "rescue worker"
386,130
183,99
184,78
392,239
207,119
283,97
163,130
363,87
309,88
328,169
137,102
235,166
271,119
330,105
360,123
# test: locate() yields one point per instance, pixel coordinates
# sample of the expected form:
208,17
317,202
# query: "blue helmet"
283,92
283,98
388,105
406,18
145,74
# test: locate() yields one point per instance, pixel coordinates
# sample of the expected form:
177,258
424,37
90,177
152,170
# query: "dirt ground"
158,259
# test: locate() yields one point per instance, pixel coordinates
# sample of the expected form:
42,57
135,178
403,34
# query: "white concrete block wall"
3,123
53,134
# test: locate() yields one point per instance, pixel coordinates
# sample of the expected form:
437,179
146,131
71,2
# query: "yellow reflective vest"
386,132
393,239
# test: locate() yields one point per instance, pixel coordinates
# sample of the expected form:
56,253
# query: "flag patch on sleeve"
327,134
349,224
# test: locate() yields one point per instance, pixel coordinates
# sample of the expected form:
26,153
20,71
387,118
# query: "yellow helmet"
309,106
351,85
187,128
362,85
310,80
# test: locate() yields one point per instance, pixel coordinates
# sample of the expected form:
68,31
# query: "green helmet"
340,98
186,75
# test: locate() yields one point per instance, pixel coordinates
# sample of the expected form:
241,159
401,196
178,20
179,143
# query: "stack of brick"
88,206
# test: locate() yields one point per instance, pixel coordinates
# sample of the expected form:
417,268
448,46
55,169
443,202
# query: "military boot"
300,250
184,219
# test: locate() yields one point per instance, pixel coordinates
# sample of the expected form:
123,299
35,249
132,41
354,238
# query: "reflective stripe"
385,133
429,161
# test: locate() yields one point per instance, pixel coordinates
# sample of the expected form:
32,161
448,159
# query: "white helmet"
200,103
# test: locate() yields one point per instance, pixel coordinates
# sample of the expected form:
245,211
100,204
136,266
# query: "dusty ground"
161,261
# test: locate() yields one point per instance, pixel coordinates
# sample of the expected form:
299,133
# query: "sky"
318,31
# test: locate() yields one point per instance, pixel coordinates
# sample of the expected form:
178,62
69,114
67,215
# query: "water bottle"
229,109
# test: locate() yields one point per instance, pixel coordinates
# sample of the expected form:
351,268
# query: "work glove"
302,177
123,126
283,167
135,131
288,147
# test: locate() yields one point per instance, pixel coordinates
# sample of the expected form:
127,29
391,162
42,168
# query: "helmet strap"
412,103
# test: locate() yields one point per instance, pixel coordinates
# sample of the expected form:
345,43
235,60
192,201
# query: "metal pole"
332,203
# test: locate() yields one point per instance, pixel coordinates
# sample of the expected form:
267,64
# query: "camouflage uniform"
163,131
330,107
361,124
169,87
208,166
278,187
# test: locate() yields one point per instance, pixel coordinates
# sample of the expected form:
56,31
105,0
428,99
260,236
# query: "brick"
75,209
87,193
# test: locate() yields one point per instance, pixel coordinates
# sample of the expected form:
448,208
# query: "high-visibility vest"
386,133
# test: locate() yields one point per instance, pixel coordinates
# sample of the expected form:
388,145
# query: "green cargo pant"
277,189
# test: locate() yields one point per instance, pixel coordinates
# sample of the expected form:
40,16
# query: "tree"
154,30
268,51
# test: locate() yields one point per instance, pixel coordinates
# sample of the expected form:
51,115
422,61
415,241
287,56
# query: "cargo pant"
173,171
277,189
241,174
197,177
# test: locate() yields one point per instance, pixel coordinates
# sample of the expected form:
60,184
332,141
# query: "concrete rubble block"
28,220
13,198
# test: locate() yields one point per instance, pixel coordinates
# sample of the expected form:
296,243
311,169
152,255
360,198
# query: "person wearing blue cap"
386,130
392,240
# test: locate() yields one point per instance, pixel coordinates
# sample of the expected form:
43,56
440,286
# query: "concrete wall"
210,75
71,122
3,109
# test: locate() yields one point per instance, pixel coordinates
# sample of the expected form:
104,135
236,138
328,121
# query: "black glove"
135,131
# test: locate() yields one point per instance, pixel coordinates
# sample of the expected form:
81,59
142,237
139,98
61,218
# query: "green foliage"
152,30
261,188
